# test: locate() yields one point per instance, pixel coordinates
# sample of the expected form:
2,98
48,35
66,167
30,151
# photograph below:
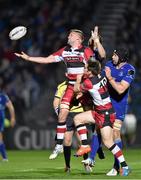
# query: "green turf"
36,165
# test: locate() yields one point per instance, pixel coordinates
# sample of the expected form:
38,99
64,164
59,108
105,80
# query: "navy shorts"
69,122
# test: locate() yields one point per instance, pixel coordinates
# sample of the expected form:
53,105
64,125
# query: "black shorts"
69,122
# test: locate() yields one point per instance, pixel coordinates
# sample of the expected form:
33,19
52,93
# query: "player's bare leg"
3,149
107,137
80,120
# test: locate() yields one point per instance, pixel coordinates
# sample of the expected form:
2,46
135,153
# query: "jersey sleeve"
86,85
130,75
88,53
58,55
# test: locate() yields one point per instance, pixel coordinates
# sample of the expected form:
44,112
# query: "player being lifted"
99,52
75,56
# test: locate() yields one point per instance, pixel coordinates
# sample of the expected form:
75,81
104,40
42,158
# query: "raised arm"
44,60
94,43
77,83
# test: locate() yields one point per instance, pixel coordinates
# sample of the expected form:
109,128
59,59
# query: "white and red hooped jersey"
97,87
75,60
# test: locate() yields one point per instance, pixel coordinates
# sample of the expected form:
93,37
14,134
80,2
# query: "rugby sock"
55,138
61,129
116,162
85,156
100,152
118,154
82,131
67,155
3,150
94,146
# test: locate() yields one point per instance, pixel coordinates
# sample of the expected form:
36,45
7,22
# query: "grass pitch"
36,165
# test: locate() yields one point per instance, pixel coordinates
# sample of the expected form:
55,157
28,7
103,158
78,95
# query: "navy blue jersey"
3,100
120,101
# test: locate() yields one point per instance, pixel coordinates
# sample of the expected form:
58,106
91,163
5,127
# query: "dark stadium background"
31,86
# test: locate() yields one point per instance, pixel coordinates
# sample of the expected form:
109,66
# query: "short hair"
94,66
122,53
81,34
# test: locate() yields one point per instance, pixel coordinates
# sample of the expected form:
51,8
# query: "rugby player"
103,114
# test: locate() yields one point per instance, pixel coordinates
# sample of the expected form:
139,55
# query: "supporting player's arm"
120,87
44,60
77,83
11,109
58,96
94,43
87,54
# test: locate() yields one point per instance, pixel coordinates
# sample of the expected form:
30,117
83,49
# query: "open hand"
94,34
22,55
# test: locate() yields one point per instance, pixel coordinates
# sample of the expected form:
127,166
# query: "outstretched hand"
22,55
94,34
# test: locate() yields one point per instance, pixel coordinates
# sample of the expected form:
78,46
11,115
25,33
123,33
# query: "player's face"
86,72
115,59
73,37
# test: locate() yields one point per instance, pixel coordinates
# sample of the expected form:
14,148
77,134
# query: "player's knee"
67,141
108,143
76,120
63,114
117,134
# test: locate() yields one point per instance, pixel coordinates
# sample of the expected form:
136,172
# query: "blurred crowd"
48,23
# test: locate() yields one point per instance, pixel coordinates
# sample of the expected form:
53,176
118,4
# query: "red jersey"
75,60
97,87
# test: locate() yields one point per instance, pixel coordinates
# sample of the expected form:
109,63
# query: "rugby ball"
18,32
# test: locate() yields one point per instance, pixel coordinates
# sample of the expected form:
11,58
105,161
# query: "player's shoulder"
130,69
87,83
87,49
59,51
129,66
62,85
